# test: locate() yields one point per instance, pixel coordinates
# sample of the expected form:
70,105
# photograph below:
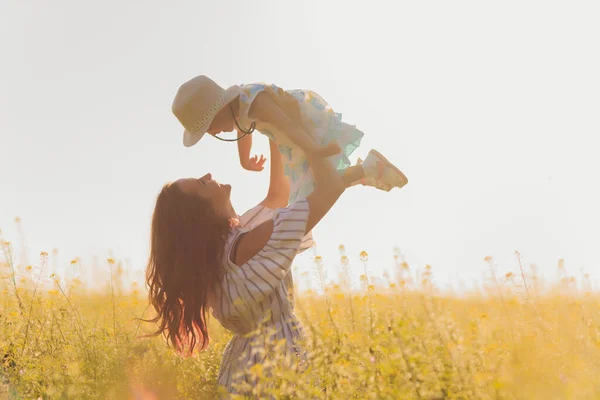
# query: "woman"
203,255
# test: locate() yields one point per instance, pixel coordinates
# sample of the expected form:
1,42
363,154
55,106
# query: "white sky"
490,108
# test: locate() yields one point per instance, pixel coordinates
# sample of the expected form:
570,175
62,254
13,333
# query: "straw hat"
197,102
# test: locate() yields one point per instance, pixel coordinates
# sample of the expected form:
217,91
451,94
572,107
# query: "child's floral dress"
319,119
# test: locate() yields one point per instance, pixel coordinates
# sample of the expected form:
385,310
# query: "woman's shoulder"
255,216
247,242
282,229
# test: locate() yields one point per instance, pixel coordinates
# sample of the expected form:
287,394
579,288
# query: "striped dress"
255,300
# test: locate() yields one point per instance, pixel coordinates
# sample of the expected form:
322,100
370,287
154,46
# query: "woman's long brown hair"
185,265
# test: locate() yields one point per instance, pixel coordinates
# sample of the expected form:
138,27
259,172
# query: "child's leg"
284,106
352,175
378,172
300,138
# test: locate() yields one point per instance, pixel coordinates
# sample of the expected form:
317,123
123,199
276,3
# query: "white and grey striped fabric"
255,300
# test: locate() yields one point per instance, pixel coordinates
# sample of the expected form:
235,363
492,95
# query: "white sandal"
381,173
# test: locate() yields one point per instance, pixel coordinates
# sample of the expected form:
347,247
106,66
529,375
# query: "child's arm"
244,146
266,109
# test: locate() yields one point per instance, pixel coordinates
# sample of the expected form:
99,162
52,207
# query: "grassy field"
513,340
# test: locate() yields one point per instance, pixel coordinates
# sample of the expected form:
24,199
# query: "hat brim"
191,138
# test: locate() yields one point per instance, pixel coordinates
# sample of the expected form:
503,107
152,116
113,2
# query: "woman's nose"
207,177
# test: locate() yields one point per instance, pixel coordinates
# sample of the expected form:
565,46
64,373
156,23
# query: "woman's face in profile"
208,189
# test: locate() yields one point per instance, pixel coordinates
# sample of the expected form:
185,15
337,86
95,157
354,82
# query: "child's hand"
255,163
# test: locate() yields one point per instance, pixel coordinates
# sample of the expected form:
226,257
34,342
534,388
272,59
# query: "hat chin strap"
240,129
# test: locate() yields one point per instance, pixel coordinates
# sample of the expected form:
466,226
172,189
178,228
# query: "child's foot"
381,173
327,150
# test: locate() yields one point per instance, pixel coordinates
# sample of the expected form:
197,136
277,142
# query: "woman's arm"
279,184
329,187
329,184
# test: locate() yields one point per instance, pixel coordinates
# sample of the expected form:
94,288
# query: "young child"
298,121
